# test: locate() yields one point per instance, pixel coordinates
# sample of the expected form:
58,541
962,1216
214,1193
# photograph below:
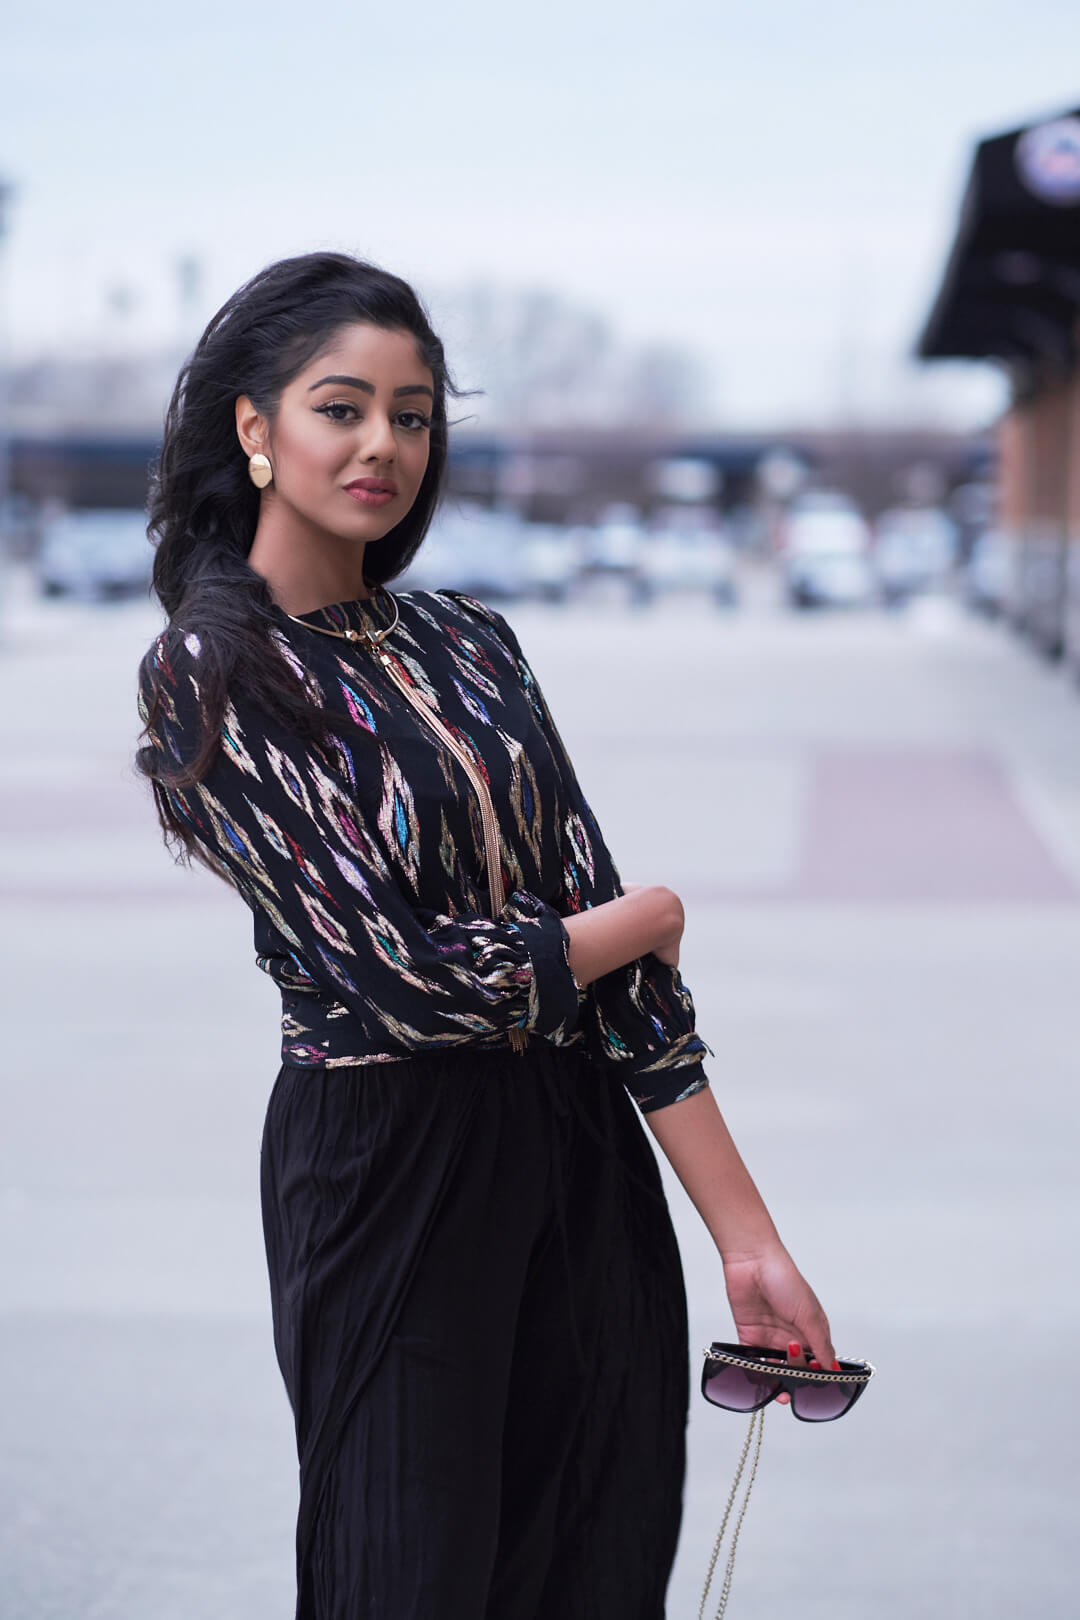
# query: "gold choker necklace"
373,638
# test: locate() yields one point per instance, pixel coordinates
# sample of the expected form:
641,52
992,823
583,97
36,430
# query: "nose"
379,443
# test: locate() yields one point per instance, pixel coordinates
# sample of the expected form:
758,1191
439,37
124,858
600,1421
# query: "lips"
372,491
372,486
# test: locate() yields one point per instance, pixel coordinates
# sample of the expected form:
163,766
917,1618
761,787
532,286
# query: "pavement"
874,823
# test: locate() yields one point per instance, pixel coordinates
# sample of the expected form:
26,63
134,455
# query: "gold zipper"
519,1038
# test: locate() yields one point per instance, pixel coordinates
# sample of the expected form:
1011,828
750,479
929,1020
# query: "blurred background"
774,465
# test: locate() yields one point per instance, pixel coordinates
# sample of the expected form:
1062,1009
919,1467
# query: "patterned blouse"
363,859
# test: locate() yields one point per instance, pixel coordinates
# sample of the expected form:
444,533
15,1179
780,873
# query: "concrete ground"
874,823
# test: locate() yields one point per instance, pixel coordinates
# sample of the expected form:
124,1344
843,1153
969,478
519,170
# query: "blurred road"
874,823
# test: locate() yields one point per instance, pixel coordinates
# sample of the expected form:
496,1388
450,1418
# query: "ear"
251,428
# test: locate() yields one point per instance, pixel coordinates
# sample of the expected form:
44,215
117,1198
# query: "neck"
306,569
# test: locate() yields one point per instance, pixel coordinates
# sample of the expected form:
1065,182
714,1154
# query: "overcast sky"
772,185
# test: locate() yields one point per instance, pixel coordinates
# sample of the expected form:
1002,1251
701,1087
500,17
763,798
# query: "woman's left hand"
774,1305
771,1301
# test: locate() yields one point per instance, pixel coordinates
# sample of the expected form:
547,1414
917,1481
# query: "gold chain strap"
813,1375
757,1423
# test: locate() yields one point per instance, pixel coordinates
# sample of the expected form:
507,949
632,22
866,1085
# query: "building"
1011,293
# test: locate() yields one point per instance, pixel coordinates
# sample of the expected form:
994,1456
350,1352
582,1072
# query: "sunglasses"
746,1377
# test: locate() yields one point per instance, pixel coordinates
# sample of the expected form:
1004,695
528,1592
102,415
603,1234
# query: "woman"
477,1297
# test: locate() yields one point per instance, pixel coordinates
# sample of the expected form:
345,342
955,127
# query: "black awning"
1011,288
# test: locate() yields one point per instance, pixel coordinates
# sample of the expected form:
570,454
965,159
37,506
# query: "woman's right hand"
666,949
645,917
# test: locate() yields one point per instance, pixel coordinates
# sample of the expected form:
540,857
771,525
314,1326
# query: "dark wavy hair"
204,507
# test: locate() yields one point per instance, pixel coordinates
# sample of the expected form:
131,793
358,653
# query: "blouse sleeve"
639,1018
278,818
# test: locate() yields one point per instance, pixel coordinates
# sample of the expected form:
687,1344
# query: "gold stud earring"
260,471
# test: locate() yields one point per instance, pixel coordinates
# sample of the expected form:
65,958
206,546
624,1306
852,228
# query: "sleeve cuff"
554,996
660,1091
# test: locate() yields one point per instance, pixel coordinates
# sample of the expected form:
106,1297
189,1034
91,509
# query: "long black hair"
204,507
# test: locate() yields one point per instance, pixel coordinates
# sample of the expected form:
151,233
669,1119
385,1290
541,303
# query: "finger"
795,1359
821,1347
820,1339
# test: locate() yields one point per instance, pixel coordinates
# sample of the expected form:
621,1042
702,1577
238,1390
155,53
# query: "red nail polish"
836,1366
794,1349
816,1364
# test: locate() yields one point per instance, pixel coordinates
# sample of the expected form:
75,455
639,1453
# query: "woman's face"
349,443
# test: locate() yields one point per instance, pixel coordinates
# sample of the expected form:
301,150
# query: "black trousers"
480,1318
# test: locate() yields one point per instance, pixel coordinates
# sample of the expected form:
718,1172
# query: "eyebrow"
368,388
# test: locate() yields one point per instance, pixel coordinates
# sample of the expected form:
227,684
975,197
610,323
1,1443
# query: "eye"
338,410
414,421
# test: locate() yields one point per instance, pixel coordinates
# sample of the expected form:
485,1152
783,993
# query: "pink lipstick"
372,491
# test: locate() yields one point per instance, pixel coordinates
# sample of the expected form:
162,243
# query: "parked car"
686,550
95,554
613,546
434,564
826,552
471,549
817,503
551,558
914,550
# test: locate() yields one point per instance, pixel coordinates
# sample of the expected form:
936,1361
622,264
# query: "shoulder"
182,661
473,611
181,684
171,662
502,637
170,700
470,607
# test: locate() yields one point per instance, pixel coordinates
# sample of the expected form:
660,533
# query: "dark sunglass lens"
817,1403
739,1390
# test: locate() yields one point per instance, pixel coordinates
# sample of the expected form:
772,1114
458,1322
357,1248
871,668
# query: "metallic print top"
368,862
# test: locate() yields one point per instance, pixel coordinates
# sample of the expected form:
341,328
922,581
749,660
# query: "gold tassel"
519,1038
